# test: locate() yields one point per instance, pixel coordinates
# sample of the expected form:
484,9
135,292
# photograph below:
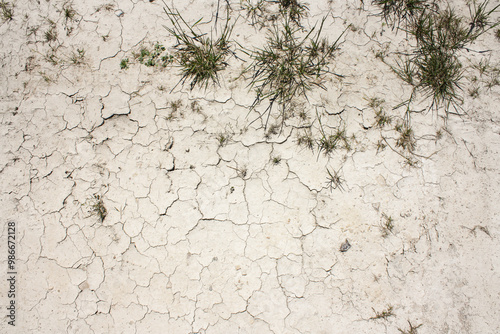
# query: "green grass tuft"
199,57
289,65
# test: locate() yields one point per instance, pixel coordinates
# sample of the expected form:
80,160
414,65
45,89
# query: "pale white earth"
204,238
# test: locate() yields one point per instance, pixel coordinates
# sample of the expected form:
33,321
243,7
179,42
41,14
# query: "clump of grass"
289,65
6,11
385,314
442,29
97,207
434,67
497,34
276,160
199,57
483,66
439,73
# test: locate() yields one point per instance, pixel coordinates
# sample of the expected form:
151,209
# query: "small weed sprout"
222,139
276,160
254,12
474,92
97,207
242,171
32,31
398,13
492,82
195,107
381,119
480,17
30,64
387,226
45,77
124,63
381,145
272,131
374,102
293,9
199,57
411,330
334,180
306,140
303,115
439,134
6,10
497,34
155,57
385,314
78,57
411,162
328,143
51,34
51,58
107,7
406,138
174,107
69,12
482,66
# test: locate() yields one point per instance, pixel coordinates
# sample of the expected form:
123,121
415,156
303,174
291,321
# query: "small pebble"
345,246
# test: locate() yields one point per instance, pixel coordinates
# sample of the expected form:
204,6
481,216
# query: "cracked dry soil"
241,235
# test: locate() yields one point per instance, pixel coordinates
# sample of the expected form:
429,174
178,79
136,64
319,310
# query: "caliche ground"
132,202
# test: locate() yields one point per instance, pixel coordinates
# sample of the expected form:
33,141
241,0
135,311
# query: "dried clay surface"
144,205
